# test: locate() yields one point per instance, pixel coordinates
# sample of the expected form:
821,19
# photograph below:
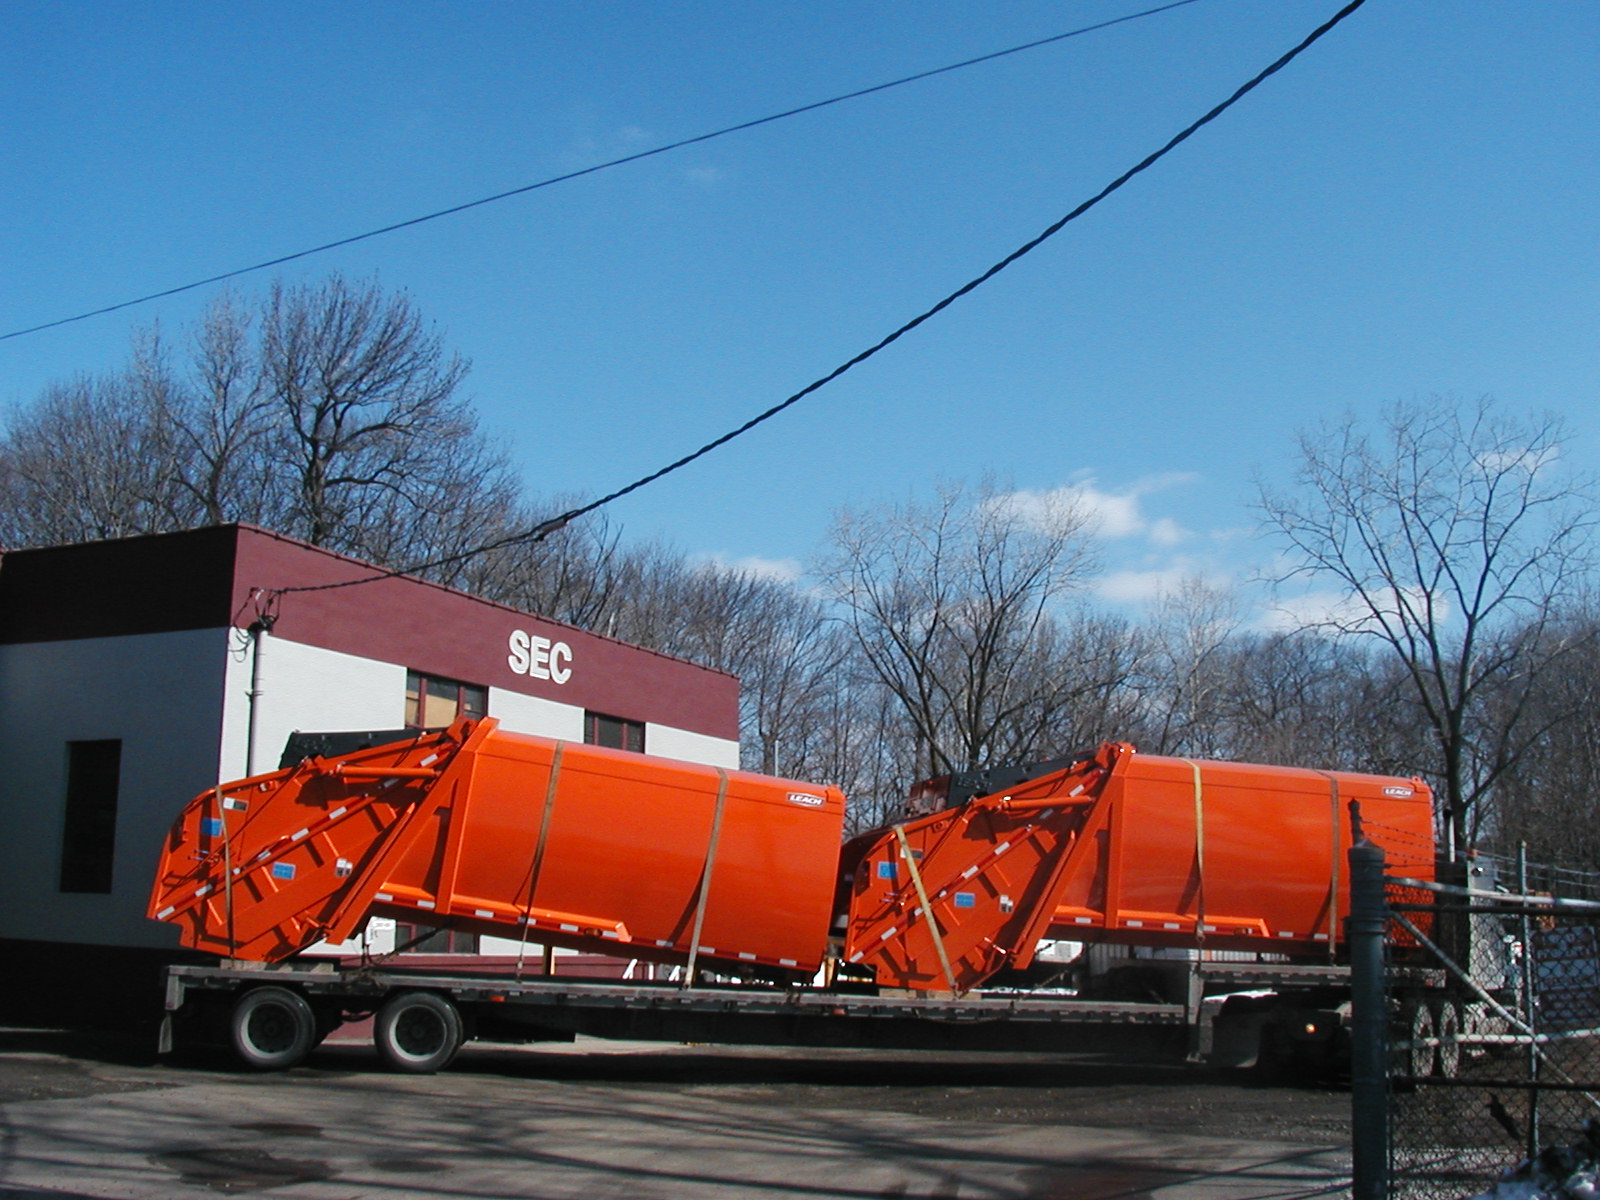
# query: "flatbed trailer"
1230,877
274,1014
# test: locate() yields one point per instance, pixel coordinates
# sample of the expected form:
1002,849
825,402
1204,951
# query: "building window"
433,940
89,838
433,703
616,732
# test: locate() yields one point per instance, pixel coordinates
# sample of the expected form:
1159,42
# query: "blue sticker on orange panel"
886,870
211,827
966,900
283,870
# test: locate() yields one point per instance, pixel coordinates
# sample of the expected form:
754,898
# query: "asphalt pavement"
595,1121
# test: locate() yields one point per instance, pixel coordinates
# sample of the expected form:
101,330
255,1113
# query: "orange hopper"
501,833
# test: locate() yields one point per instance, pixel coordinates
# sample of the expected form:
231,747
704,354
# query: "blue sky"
1410,209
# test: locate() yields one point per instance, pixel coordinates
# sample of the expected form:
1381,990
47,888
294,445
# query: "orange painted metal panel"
1128,848
1255,854
464,828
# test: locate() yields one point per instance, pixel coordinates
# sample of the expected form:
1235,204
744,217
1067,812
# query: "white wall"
305,688
531,714
666,742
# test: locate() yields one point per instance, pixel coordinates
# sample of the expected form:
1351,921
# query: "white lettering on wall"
538,657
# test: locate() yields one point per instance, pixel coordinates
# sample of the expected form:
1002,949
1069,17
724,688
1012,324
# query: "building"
136,673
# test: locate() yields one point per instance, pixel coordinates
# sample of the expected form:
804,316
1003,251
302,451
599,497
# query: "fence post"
1369,1019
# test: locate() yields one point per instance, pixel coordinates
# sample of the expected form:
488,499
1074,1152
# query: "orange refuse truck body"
511,835
1123,847
573,845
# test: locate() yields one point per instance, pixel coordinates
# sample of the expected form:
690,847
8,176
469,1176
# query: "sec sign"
539,657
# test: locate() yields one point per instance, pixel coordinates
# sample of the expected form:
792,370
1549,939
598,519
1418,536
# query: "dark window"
434,940
89,839
433,703
616,732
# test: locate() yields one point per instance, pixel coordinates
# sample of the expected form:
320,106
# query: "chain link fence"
1492,989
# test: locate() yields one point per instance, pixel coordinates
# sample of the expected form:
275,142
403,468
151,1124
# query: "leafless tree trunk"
1453,538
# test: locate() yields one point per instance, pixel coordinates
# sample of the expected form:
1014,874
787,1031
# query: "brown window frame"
470,699
618,733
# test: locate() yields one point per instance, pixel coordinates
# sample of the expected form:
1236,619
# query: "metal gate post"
1369,1021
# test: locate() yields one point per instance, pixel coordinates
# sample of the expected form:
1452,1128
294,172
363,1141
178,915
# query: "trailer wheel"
272,1028
417,1032
1419,1038
1447,1023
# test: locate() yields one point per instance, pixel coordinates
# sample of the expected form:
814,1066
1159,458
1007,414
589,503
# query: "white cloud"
779,570
1140,587
1111,515
704,176
1527,458
1339,610
1167,532
1146,586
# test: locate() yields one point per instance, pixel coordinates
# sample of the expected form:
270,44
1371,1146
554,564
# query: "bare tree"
367,408
1550,797
331,413
1454,538
954,609
226,421
1192,629
89,459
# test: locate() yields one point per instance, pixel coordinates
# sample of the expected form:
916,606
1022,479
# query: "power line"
553,524
578,174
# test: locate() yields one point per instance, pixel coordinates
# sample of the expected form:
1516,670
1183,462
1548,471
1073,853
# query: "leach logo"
539,657
1398,791
806,800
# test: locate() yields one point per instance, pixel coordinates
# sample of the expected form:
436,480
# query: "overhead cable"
555,523
578,174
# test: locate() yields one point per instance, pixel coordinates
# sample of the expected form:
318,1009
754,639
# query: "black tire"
417,1033
1419,1039
1447,1024
272,1028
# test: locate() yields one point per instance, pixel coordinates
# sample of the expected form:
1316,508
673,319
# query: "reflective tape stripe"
424,903
338,812
383,896
483,912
